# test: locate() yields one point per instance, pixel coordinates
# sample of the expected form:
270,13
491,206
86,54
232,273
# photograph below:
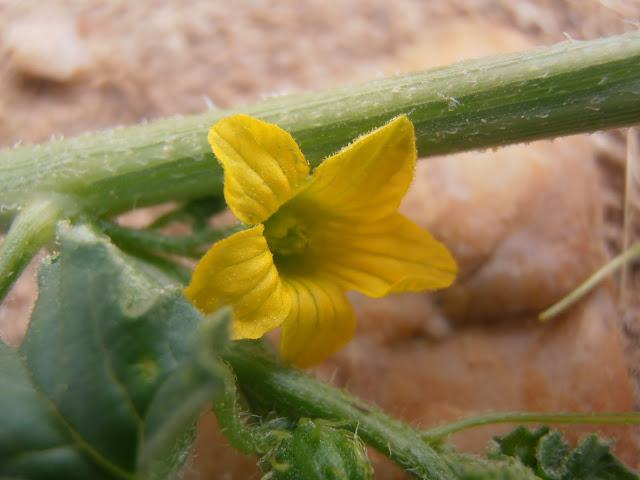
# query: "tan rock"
523,222
45,44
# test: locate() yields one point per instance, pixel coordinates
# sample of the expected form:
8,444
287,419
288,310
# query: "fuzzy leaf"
170,424
551,458
552,454
103,339
593,460
521,444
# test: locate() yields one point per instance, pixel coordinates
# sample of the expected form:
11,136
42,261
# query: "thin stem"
590,283
631,194
190,245
173,270
569,88
30,230
598,418
195,213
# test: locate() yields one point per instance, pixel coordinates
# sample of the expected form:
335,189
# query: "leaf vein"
78,439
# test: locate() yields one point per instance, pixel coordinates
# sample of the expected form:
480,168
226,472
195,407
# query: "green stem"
590,283
597,418
139,239
569,88
195,213
172,269
300,395
225,406
30,230
296,394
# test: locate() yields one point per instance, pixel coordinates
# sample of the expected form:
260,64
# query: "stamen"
286,234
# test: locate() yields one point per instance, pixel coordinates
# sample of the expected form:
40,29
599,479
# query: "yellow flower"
314,238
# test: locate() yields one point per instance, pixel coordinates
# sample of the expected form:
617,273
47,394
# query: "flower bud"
317,450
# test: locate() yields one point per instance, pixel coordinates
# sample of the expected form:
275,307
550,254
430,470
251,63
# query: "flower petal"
262,163
390,255
320,322
239,271
368,178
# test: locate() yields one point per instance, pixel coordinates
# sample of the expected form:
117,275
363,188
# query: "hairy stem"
30,230
301,395
294,393
569,88
190,245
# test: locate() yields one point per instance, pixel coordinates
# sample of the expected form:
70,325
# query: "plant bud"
317,450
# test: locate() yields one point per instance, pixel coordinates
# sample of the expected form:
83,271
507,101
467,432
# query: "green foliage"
548,455
553,453
315,449
520,444
109,354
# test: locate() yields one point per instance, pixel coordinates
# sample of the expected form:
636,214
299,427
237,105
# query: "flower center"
286,235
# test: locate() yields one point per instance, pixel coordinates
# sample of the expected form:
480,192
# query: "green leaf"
593,460
33,441
552,454
551,458
170,424
521,444
103,339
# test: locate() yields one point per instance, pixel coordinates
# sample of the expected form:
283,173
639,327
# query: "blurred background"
69,67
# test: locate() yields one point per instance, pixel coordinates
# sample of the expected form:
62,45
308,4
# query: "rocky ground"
526,223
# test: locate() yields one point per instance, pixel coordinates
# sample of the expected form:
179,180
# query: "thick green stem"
300,395
569,88
30,230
